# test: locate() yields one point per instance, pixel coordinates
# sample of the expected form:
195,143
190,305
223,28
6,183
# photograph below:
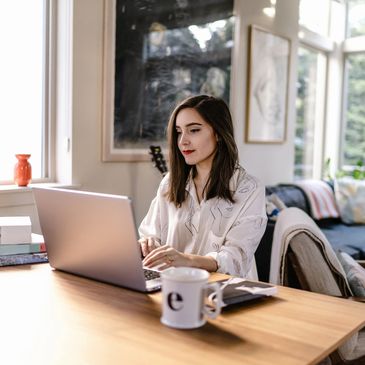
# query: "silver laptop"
93,235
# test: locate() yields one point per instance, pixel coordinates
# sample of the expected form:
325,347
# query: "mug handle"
208,311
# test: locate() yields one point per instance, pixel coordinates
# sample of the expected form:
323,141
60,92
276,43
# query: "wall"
79,112
272,163
140,180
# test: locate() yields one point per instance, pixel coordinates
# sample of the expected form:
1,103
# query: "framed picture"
268,73
154,58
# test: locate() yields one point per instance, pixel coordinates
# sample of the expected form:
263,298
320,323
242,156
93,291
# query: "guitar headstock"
158,159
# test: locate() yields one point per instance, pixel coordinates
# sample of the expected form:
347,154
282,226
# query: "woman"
208,212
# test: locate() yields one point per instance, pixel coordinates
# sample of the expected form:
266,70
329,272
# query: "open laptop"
93,235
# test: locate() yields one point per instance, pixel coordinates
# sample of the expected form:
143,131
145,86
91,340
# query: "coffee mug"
184,290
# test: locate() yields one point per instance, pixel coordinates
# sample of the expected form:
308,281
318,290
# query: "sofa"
349,238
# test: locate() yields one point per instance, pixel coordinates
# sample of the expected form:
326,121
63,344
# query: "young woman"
208,212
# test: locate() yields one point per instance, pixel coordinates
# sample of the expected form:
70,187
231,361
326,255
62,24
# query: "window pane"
309,105
354,144
21,86
165,53
356,18
314,15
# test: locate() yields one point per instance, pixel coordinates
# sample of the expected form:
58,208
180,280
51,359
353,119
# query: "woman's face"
196,139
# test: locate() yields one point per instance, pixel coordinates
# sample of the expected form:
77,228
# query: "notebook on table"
238,290
93,235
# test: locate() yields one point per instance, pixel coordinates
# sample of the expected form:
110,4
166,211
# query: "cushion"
350,198
355,273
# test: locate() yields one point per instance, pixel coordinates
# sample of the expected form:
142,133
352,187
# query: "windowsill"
21,189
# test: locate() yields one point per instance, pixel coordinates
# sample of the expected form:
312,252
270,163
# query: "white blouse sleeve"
235,256
151,224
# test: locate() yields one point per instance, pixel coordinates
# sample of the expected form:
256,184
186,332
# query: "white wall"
272,163
79,114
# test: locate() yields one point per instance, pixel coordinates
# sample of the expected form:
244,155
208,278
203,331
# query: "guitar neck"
158,159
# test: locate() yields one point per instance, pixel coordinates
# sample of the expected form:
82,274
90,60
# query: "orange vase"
22,170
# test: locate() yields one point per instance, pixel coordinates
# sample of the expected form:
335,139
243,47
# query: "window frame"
325,46
49,86
350,46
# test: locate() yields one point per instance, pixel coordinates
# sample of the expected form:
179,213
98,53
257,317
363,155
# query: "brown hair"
216,113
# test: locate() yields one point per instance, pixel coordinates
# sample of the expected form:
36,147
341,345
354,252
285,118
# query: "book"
35,245
14,230
237,290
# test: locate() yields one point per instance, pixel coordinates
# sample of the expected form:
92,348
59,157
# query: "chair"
305,260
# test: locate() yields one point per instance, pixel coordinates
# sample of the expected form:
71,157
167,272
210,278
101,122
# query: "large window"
310,111
313,51
353,146
315,20
355,18
354,136
23,66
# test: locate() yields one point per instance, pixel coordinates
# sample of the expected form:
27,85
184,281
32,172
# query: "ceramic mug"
184,290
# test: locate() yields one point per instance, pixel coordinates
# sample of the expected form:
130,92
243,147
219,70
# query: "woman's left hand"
165,257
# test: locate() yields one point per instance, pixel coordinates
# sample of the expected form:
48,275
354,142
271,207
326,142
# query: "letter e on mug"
183,292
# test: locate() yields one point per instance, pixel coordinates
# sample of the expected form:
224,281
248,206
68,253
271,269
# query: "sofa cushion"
350,198
350,239
355,273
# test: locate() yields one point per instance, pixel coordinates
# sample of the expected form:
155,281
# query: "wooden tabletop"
50,317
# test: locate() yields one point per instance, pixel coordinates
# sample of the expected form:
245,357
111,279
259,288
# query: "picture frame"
149,67
267,86
109,152
153,59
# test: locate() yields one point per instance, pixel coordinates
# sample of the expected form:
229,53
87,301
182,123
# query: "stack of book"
17,244
36,245
24,253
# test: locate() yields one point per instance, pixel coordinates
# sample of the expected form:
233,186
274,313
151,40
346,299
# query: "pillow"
350,198
355,273
273,206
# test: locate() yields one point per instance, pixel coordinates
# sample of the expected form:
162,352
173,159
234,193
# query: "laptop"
93,235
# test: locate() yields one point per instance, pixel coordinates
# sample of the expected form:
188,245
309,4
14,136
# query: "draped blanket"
321,198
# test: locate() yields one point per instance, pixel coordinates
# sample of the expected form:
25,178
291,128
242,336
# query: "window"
313,53
310,111
354,134
23,70
353,146
355,18
315,20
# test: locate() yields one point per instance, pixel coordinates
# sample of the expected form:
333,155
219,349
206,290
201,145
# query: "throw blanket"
321,198
292,221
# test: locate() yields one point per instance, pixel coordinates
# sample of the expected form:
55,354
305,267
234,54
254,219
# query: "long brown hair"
216,113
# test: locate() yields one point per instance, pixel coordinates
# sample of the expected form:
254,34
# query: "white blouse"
228,232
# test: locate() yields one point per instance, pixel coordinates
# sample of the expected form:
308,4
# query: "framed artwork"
267,91
155,57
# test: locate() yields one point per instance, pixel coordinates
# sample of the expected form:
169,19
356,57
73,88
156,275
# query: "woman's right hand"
148,244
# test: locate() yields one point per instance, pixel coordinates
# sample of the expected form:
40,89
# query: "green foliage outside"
354,139
357,172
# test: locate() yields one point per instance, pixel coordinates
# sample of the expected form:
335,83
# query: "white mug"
183,295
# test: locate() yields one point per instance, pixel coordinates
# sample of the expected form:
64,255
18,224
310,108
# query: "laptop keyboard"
151,274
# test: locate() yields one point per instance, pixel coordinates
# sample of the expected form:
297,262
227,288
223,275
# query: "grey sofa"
347,238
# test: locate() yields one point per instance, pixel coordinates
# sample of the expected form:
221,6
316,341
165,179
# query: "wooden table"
50,317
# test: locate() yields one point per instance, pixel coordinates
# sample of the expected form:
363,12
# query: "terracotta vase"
22,170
